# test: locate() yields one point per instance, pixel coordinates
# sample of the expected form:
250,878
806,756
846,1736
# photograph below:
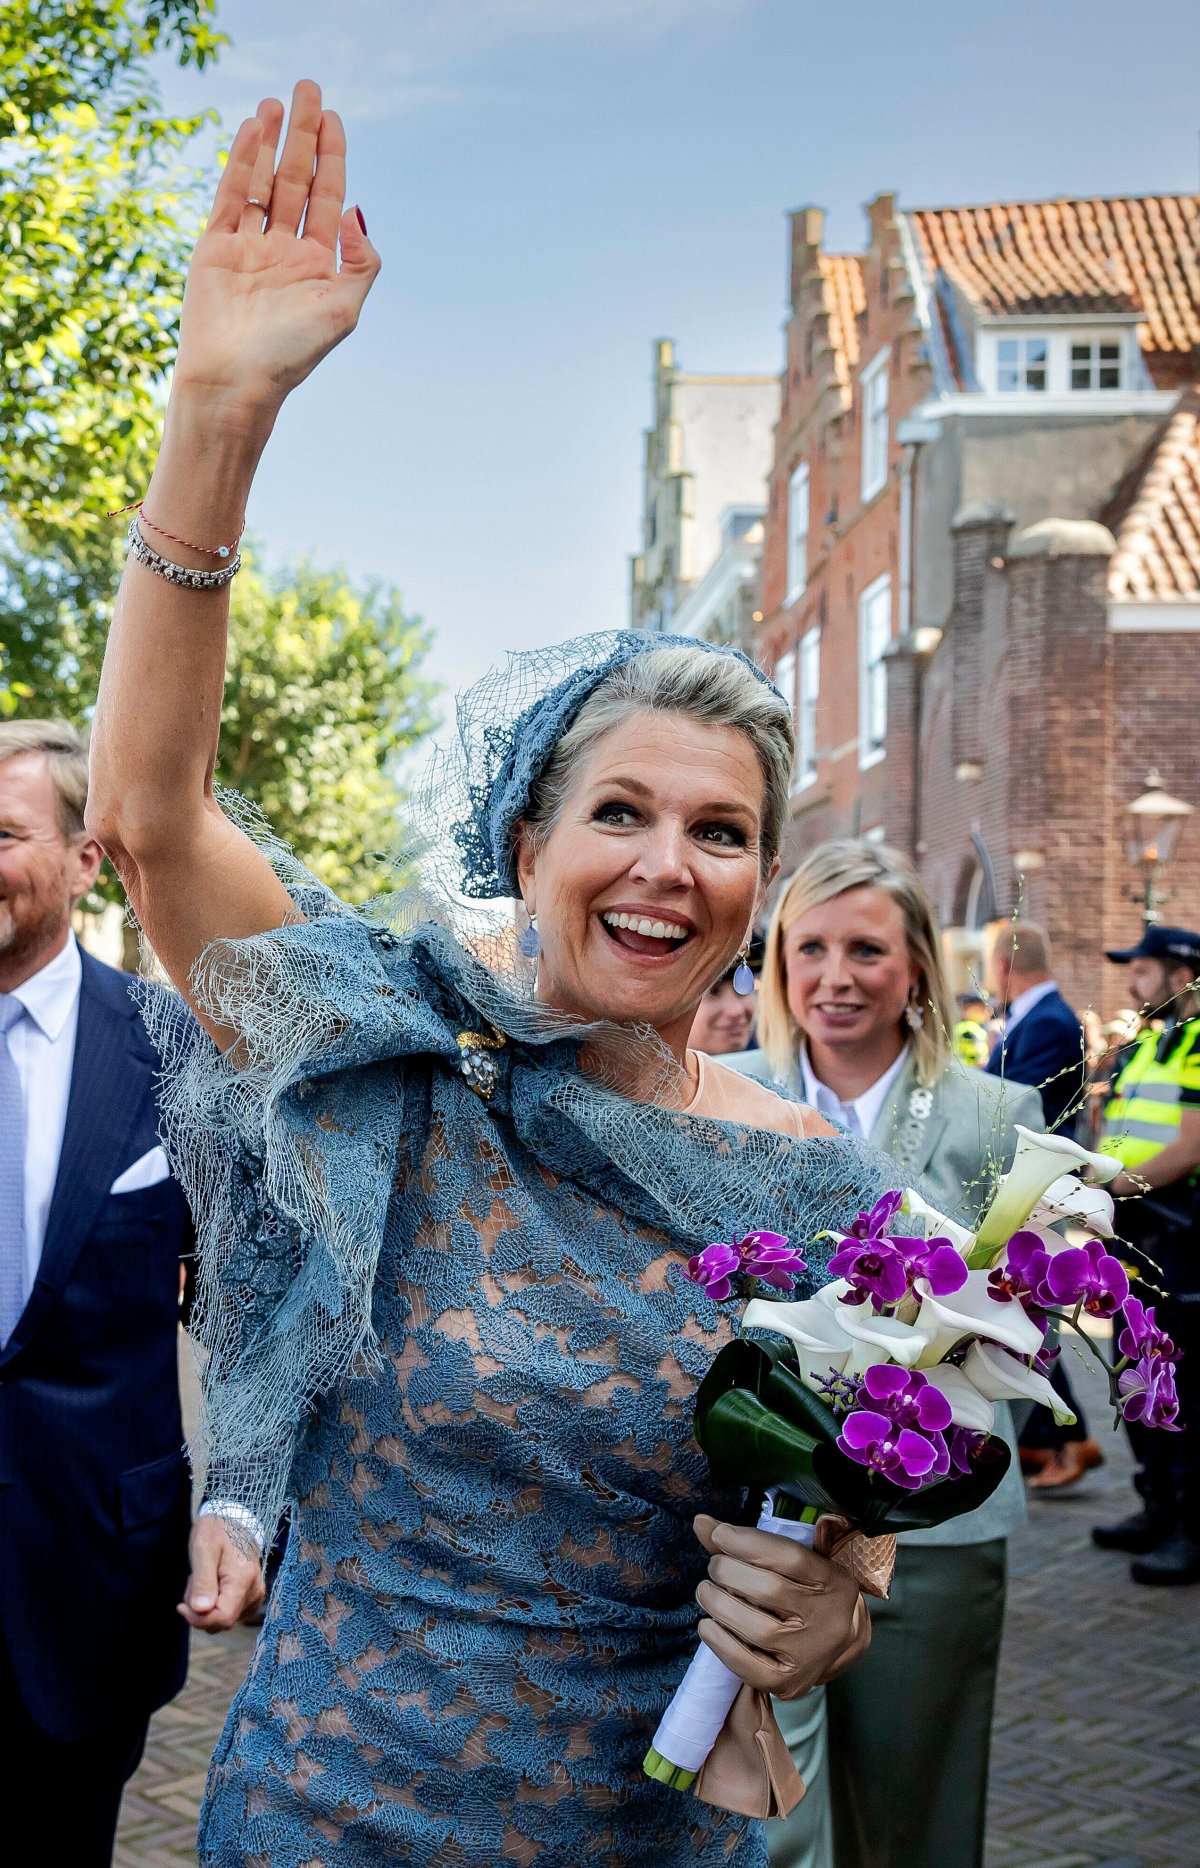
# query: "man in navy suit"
1042,1042
94,1484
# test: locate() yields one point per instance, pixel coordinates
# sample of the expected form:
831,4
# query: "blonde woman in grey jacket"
854,1016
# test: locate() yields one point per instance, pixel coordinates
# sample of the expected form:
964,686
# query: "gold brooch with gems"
477,1062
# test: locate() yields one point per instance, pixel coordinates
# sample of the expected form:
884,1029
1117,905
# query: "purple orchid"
1024,1267
1089,1275
1141,1334
874,1269
899,1428
906,1396
1079,1274
874,1225
1148,1393
766,1256
714,1269
963,1445
1147,1390
882,1268
942,1266
904,1457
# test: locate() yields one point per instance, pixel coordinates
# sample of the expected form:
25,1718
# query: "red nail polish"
362,223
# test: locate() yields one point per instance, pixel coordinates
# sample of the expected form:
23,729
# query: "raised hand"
266,298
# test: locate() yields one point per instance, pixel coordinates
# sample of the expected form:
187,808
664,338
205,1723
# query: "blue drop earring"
530,942
743,978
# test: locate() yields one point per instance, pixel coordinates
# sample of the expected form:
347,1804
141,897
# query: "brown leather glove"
780,1617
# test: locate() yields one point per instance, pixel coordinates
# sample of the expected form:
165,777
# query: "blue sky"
555,183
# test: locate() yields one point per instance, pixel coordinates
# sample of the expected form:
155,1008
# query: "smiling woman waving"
446,1188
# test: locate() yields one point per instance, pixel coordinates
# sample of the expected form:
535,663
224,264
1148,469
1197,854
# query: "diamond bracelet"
179,573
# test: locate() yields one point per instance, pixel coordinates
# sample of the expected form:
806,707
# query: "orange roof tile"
1155,515
845,296
1137,254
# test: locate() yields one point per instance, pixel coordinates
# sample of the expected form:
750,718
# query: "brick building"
981,572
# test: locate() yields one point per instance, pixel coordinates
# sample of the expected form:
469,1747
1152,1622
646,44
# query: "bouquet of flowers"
874,1400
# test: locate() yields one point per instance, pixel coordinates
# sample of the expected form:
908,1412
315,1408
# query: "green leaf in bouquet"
761,1427
748,1445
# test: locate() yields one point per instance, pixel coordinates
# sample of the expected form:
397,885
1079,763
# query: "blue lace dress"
445,1311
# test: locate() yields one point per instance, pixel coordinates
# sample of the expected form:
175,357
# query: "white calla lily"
820,1342
934,1224
968,1407
973,1311
1068,1199
883,1339
1002,1377
874,1338
1039,1161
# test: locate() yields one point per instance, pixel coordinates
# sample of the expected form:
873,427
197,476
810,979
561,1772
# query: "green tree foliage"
323,698
96,215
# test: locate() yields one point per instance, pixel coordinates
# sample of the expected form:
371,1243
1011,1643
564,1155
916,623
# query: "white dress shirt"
1025,1002
861,1113
42,1046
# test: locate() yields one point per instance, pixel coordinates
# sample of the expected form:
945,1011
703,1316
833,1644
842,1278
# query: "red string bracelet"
206,551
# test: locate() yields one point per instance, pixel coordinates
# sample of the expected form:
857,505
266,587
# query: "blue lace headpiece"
506,756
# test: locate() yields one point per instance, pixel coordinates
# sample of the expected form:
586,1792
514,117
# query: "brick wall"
851,543
1026,726
1070,718
1156,707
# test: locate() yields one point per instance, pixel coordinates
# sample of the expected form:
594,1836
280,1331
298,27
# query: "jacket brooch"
478,1061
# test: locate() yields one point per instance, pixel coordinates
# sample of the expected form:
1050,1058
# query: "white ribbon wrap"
689,1727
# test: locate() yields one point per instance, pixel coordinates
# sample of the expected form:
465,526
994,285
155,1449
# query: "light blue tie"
12,1176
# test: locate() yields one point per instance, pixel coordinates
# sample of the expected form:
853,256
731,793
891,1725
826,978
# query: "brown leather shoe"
1068,1466
1033,1458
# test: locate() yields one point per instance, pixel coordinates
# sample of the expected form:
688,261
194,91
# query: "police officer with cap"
1152,1124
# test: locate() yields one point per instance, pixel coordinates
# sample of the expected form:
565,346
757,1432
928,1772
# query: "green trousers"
907,1730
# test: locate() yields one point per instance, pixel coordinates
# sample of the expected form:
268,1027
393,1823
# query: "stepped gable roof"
1155,516
845,297
1137,253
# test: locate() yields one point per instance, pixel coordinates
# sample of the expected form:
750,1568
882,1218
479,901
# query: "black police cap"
1160,944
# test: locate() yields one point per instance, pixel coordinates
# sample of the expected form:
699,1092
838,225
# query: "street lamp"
1154,823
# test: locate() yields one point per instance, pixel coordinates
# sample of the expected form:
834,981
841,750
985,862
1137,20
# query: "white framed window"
808,688
797,533
874,634
1022,363
1058,361
875,425
1096,364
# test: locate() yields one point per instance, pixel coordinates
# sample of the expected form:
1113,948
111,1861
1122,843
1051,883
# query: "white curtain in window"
875,426
806,718
797,569
874,634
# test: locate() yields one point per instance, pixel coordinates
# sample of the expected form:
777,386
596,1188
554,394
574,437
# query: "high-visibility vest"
971,1042
1153,1088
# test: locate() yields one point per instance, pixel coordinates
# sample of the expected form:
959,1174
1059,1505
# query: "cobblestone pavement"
1097,1746
1096,1755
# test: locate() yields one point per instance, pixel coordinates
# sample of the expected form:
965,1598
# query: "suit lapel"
106,1099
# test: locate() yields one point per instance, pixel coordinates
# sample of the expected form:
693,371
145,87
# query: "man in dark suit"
94,1484
1042,1041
